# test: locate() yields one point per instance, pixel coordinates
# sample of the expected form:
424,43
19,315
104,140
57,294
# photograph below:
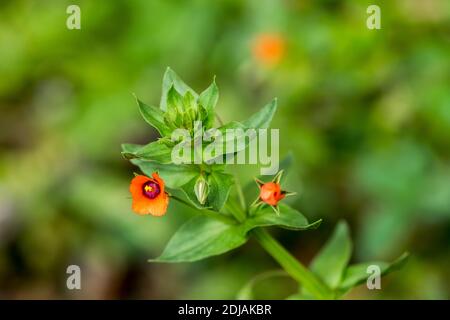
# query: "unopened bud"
201,190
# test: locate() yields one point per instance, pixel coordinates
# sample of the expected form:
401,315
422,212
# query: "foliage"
221,230
365,114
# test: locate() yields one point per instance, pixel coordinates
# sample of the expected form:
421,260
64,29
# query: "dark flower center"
151,189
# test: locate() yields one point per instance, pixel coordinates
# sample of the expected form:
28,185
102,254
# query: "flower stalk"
292,266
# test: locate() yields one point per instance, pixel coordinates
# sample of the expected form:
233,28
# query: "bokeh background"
366,113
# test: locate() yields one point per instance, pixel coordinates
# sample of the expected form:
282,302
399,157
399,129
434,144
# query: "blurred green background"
365,112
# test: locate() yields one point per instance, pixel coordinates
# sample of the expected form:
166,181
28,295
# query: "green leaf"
241,137
189,101
174,175
208,99
154,117
333,258
240,142
130,148
154,151
202,237
300,296
246,293
174,101
172,79
357,273
220,184
262,119
289,218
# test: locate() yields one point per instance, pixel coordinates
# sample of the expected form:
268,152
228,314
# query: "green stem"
240,192
292,266
239,211
236,211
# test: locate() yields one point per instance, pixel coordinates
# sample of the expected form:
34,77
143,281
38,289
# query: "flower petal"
143,205
159,181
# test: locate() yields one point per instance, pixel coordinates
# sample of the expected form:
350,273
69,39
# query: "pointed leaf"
333,258
130,148
154,151
172,79
202,237
357,273
208,99
154,117
243,137
262,119
239,139
220,184
174,101
189,102
289,218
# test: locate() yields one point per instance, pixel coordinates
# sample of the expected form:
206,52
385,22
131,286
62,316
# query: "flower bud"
201,190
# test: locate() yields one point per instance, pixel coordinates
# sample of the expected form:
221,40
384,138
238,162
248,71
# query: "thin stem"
206,212
236,211
292,266
240,191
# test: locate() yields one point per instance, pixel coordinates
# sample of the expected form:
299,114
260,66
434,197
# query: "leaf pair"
331,266
203,236
331,263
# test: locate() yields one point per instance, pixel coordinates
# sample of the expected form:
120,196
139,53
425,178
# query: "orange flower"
148,195
271,193
268,48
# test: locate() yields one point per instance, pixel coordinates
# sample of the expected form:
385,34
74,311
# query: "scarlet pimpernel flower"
270,193
148,195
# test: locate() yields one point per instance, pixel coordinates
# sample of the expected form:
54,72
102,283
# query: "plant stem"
240,192
235,210
292,266
240,213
